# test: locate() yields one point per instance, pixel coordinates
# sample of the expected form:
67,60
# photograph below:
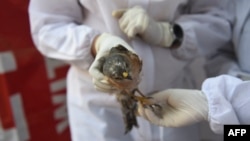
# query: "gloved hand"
180,107
102,46
135,21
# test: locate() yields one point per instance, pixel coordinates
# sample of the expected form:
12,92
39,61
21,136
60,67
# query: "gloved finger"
104,90
129,27
123,23
142,23
161,95
132,31
118,13
151,116
103,85
126,29
95,72
141,110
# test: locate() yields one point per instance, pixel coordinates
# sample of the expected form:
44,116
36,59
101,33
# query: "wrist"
177,32
205,106
173,35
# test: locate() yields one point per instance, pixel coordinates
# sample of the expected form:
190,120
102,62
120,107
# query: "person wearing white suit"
224,97
67,30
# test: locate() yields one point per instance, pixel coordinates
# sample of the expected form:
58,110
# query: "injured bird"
121,69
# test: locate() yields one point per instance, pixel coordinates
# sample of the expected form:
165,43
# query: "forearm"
59,34
228,101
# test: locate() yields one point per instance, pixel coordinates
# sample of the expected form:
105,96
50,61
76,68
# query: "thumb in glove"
179,107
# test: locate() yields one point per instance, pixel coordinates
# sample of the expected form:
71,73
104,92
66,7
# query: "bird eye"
125,74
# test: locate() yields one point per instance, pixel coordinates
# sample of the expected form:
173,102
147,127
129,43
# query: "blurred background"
32,88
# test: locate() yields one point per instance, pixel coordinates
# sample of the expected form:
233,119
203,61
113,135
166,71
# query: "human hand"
102,46
135,21
179,107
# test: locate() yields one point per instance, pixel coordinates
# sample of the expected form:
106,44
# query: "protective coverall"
228,97
65,29
223,99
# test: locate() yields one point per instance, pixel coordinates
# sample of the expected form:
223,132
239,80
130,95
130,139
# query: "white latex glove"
103,45
135,21
180,107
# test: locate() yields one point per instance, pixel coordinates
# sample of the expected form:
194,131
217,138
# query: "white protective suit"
229,97
65,29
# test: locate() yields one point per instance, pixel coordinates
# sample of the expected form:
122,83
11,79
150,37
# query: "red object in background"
32,88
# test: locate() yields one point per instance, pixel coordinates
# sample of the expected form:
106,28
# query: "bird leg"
148,102
145,100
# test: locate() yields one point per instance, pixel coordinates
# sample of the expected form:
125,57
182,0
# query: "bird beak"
129,77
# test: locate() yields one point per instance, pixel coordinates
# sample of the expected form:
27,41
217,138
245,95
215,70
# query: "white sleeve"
228,101
58,32
206,25
241,34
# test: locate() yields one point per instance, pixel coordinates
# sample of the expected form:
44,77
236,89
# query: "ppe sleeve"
206,27
241,34
228,101
58,32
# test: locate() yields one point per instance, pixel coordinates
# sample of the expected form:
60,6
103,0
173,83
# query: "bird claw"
150,103
155,108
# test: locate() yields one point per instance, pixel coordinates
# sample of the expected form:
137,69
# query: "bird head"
117,65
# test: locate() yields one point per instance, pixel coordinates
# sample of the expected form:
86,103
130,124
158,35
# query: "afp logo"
237,132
